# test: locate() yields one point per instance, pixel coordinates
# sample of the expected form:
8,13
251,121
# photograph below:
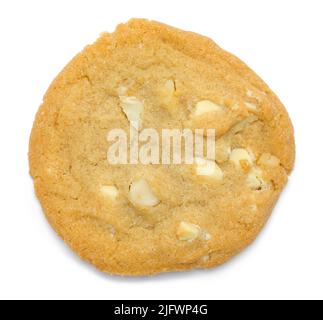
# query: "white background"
281,40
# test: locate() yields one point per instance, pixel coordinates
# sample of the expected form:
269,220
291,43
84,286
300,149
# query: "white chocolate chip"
242,125
112,230
254,179
208,168
205,259
206,236
109,192
188,231
167,92
142,195
253,208
133,109
250,94
206,106
269,160
251,106
170,87
239,155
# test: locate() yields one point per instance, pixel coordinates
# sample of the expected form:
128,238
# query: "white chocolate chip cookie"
140,218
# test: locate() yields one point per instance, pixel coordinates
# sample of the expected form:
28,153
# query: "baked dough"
146,219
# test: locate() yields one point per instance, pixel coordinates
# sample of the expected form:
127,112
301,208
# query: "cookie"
147,215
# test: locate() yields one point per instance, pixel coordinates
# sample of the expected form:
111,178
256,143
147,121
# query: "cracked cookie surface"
147,219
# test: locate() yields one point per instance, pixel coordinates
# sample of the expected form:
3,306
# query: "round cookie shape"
148,218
